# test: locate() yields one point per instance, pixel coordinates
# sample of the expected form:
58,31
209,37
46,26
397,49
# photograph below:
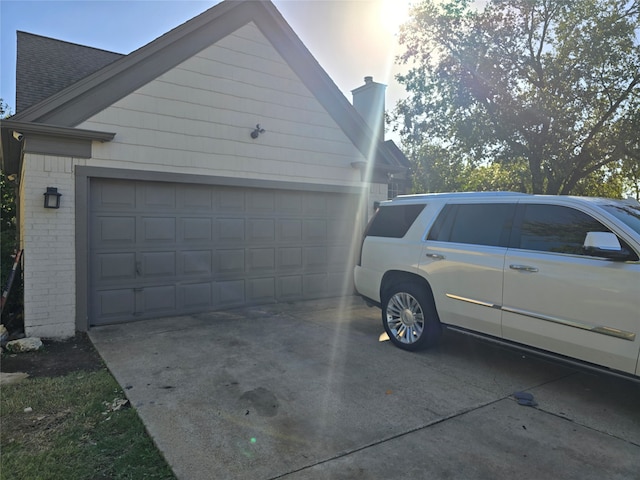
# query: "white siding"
48,240
197,119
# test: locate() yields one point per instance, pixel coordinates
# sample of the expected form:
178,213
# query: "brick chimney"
368,100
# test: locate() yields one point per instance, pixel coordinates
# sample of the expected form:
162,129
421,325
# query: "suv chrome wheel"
405,318
409,317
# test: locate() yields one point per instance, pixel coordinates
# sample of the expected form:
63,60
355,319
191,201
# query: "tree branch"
581,161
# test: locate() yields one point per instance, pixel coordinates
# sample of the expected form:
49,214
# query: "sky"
350,39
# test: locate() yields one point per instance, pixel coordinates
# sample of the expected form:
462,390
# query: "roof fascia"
52,139
56,130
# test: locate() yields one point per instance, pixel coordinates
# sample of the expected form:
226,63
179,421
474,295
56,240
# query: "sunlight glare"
393,13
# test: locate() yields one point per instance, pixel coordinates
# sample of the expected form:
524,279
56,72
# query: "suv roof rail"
419,196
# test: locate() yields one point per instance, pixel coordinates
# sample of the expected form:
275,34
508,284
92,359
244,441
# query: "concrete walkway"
308,391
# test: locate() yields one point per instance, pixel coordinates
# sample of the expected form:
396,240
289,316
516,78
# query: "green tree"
549,85
8,206
8,238
5,111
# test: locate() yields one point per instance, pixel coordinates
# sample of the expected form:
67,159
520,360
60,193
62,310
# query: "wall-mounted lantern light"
52,198
257,131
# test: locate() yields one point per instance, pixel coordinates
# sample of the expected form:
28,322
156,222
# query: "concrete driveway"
308,391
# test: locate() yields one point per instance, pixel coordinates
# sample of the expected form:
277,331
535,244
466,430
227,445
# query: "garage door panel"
315,204
260,201
158,230
340,231
230,230
154,195
289,203
337,205
196,296
261,231
315,258
290,287
315,285
116,195
289,231
196,198
111,267
115,230
337,258
195,230
337,283
159,249
160,298
115,304
261,260
196,262
314,231
230,262
158,264
289,259
261,290
230,200
230,293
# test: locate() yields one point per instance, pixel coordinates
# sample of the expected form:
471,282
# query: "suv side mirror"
604,244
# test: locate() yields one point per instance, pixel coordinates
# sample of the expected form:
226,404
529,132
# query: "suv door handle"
435,256
525,268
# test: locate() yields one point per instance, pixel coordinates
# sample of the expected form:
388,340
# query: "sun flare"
393,13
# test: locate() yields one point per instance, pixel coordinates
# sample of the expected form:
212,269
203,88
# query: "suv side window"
393,221
477,223
554,228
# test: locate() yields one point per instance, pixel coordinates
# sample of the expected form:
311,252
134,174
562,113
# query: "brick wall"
48,239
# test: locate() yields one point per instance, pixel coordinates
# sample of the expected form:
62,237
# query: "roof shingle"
45,66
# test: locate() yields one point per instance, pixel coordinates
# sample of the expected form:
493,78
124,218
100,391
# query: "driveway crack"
390,438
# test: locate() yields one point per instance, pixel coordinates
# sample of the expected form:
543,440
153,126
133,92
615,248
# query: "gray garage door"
160,249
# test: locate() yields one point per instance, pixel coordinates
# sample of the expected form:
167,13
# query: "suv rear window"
477,223
393,221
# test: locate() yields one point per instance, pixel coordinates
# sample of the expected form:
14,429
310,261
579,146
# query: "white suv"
560,274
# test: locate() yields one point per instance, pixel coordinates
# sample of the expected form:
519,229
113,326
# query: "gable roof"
95,92
397,153
45,66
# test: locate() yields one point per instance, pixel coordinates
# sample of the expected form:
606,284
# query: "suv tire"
409,317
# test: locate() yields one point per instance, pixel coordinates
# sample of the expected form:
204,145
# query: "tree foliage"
8,205
8,234
534,95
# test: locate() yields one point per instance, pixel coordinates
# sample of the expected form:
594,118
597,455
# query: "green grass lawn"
73,428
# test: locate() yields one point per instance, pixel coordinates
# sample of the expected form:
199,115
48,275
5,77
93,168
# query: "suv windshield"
629,214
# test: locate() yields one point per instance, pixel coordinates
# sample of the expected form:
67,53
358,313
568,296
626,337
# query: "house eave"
56,130
44,138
